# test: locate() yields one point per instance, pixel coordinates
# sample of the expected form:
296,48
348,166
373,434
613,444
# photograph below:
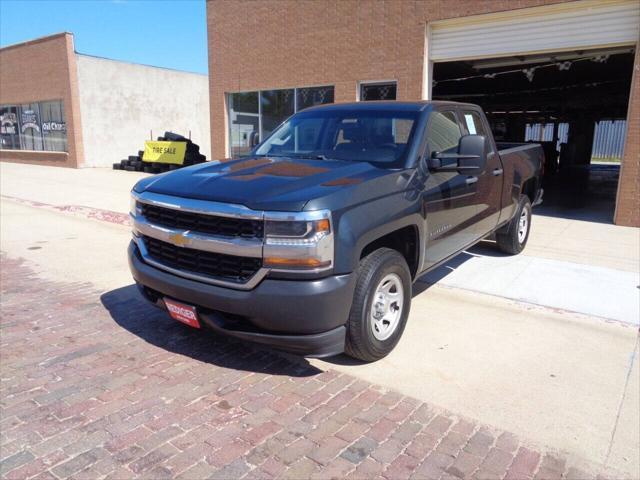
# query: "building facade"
268,59
62,108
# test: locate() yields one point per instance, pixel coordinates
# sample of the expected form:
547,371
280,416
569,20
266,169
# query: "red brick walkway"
103,385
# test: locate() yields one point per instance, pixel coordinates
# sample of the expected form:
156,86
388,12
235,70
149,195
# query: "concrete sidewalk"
574,286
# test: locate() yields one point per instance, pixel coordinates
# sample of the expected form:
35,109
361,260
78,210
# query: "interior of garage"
574,103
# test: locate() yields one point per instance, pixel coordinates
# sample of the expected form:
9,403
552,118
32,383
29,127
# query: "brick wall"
39,70
287,43
628,205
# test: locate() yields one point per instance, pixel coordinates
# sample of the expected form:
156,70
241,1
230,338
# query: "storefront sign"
164,152
29,119
54,127
8,123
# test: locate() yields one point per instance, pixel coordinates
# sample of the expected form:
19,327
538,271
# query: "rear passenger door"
449,198
490,179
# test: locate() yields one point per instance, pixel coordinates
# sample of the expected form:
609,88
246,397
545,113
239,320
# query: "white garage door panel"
558,27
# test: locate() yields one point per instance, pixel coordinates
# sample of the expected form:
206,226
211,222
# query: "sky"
163,33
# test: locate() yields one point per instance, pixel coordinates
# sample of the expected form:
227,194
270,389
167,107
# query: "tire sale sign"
164,152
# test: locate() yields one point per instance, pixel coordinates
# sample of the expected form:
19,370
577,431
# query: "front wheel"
381,304
514,238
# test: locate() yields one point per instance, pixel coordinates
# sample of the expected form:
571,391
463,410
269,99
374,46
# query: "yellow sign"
164,152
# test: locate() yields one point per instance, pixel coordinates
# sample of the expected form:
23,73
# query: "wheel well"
404,240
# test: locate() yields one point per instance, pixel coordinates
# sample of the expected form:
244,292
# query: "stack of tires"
134,163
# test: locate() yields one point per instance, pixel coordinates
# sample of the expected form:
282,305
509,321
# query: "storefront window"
54,128
277,106
254,115
30,133
244,123
36,126
9,131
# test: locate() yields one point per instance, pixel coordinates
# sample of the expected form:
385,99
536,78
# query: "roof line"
36,40
140,64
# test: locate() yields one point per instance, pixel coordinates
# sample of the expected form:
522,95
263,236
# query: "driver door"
449,198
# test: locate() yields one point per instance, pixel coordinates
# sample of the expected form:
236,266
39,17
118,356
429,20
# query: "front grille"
198,222
218,265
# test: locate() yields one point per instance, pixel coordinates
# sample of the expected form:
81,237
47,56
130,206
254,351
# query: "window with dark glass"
310,96
9,129
276,107
36,126
378,91
244,122
53,126
30,133
254,115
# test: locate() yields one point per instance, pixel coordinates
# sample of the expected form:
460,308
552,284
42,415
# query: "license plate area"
182,312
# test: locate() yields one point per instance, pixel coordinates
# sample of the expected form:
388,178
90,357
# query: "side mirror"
470,156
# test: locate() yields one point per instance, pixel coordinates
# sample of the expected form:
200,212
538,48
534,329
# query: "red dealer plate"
183,313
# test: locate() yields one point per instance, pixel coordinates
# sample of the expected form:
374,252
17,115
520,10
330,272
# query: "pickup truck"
312,242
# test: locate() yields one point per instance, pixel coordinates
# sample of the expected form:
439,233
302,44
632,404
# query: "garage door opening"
573,103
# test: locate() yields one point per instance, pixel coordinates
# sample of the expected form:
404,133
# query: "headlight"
300,241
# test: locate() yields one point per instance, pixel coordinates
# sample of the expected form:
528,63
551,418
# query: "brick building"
568,69
62,108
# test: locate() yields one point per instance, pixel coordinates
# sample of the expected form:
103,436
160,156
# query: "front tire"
514,238
381,304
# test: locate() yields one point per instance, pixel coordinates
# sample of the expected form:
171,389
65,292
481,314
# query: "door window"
474,125
443,133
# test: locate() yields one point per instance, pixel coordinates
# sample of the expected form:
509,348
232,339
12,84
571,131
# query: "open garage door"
559,75
565,26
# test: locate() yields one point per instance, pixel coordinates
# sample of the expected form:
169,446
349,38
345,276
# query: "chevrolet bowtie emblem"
180,239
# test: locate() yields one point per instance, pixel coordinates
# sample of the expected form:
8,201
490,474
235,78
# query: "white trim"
427,66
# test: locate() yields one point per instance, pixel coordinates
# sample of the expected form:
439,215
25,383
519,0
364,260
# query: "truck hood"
262,183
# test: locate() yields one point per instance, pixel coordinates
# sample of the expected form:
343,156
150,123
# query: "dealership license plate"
183,313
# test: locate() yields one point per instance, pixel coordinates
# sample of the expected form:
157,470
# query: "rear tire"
514,237
381,304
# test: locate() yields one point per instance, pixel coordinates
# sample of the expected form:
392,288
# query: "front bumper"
303,317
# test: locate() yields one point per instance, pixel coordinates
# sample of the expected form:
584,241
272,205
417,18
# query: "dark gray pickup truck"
311,243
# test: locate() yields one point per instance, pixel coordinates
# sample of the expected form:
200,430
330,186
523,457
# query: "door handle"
497,172
471,180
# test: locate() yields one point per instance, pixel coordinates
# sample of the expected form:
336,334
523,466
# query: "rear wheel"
514,238
381,304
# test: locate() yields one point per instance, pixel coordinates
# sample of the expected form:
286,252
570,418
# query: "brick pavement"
105,386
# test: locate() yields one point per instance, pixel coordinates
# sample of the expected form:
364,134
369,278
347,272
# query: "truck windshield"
379,137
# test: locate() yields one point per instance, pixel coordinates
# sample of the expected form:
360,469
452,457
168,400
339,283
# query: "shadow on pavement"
132,312
485,248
